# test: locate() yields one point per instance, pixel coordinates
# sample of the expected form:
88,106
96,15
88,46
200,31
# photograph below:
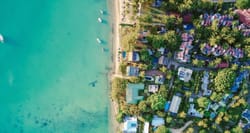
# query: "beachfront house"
175,104
184,74
157,121
153,88
132,71
130,125
133,56
132,93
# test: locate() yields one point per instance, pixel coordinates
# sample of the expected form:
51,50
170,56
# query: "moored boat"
100,20
1,38
98,40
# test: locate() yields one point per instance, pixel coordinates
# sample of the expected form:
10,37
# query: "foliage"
118,88
242,4
203,102
142,106
157,101
119,117
123,68
224,79
162,129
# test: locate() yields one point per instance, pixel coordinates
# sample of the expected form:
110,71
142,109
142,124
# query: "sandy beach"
114,125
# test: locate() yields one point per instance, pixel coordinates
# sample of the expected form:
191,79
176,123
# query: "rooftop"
175,103
184,74
130,125
132,93
132,71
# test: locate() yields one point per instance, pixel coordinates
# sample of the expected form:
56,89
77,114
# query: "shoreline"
115,39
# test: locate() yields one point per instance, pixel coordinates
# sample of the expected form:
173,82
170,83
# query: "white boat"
1,38
101,11
98,40
100,20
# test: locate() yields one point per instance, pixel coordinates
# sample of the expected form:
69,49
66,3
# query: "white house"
184,74
130,125
175,104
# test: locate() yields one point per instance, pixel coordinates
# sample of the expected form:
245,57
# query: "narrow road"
180,130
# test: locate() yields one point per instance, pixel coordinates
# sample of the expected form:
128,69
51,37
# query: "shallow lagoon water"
47,63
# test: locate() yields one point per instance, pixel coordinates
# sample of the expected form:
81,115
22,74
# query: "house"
153,88
130,125
225,99
157,3
214,107
184,74
132,71
143,36
225,1
186,46
157,121
244,16
239,80
146,127
205,83
193,112
132,93
222,65
175,103
246,114
159,79
223,20
163,60
133,56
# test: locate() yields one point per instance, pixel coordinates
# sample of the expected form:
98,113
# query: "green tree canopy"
242,4
224,79
203,102
157,101
162,129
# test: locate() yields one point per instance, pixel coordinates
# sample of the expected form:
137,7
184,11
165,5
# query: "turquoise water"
49,59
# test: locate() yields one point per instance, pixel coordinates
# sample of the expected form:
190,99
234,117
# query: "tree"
157,101
242,4
190,130
142,106
163,69
182,114
237,129
224,79
203,102
118,88
119,117
162,129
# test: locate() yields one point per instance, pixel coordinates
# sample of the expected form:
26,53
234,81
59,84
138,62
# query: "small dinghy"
1,38
101,11
100,20
99,40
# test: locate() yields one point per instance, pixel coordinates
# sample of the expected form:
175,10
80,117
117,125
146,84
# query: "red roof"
244,16
187,18
223,65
